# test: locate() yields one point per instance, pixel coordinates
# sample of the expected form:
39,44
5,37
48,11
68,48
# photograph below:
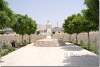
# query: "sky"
43,10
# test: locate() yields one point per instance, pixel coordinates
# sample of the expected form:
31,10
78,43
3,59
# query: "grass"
92,48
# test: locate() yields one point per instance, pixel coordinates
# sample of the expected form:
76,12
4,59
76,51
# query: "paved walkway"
69,55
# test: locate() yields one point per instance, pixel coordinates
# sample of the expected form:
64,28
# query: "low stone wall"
65,37
18,38
94,39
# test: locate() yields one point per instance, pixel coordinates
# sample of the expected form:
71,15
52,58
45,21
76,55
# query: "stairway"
49,43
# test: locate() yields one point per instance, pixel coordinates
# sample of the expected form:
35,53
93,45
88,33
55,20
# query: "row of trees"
86,21
21,24
24,25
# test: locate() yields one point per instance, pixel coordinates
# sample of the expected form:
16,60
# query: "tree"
68,26
77,25
20,26
3,5
24,25
6,15
12,17
87,28
92,12
88,25
91,15
31,27
88,16
4,20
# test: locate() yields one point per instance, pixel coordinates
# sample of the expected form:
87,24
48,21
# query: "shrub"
4,52
5,49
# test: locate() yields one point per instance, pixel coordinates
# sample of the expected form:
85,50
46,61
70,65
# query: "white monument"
48,30
48,41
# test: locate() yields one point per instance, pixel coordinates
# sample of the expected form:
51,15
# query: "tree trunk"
76,38
88,41
22,39
70,37
29,39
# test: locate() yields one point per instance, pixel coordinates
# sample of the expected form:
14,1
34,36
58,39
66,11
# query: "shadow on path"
1,61
61,43
79,59
71,47
84,60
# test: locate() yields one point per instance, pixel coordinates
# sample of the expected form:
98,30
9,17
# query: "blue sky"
43,10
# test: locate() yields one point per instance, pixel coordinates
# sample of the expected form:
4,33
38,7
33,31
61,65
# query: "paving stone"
31,55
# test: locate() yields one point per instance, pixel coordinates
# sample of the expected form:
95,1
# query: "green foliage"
6,15
5,49
77,23
3,5
92,13
24,25
85,22
4,52
73,24
93,6
4,20
6,46
68,26
19,26
90,22
92,48
12,17
83,45
31,26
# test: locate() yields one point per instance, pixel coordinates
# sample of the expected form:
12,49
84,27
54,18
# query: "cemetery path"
69,55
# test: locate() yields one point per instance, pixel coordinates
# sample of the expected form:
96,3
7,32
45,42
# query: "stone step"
49,43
